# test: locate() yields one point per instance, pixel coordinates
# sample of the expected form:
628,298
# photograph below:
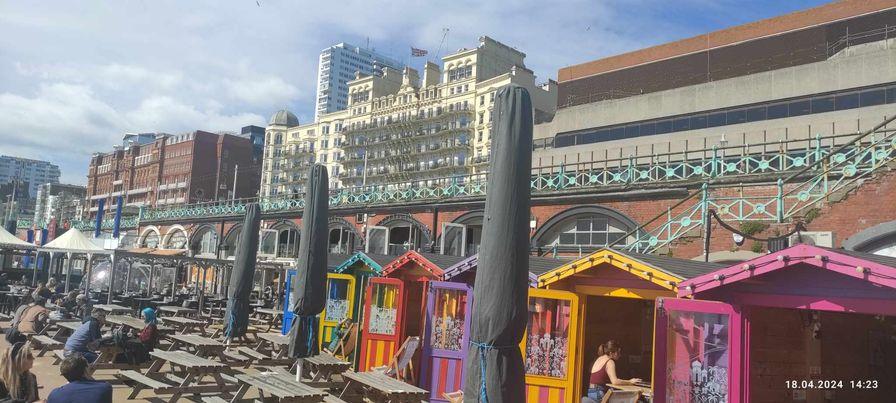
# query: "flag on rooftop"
418,52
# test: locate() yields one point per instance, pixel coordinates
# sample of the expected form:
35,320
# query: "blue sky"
75,76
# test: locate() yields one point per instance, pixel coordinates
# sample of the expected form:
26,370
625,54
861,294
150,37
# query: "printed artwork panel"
448,323
547,346
698,357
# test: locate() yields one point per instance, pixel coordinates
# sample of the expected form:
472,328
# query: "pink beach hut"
804,323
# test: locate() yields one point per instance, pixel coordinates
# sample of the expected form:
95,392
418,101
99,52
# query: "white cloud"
74,76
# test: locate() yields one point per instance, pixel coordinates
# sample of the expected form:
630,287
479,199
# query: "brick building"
173,169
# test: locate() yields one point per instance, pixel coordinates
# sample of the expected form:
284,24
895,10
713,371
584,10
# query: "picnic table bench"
382,388
277,343
206,347
269,317
187,379
184,325
113,309
134,323
45,343
178,310
282,387
323,366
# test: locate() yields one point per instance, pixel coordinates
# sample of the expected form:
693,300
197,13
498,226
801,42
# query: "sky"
76,75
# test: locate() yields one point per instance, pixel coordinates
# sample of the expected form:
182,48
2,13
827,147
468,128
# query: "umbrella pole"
113,261
68,271
127,277
88,270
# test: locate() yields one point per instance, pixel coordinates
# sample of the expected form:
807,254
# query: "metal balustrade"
827,170
815,177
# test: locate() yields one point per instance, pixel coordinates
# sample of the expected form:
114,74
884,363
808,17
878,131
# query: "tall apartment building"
28,172
173,169
60,202
401,131
20,177
774,84
337,66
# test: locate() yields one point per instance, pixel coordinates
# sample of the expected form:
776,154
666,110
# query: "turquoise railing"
820,174
690,166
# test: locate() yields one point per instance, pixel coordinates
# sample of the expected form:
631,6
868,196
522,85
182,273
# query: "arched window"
585,228
176,239
231,241
149,239
204,242
343,236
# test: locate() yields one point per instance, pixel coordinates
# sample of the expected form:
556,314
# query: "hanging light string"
797,227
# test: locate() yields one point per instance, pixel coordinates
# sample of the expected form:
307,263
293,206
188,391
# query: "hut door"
446,339
696,351
454,239
382,322
377,240
340,305
550,348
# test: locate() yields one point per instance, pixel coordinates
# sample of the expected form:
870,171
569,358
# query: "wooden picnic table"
379,387
323,366
277,343
645,391
203,346
184,325
178,310
113,309
269,317
282,387
186,376
134,323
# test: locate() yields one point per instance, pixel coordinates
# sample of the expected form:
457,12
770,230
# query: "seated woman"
603,372
137,348
17,383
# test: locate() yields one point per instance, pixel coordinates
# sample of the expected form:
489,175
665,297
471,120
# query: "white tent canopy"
73,241
10,241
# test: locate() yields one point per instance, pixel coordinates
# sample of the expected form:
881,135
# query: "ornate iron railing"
688,166
822,173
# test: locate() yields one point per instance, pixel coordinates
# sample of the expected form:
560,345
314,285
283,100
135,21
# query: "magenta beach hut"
802,324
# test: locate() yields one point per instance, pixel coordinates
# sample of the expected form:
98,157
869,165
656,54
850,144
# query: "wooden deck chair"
621,396
402,365
345,346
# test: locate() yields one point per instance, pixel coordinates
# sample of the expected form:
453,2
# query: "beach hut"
804,323
607,295
446,341
346,283
333,260
395,305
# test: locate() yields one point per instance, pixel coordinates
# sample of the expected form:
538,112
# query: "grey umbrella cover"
310,283
242,274
501,286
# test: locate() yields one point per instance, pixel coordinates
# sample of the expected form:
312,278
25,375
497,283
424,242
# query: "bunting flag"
418,52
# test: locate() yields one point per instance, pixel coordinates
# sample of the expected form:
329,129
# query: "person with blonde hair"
17,383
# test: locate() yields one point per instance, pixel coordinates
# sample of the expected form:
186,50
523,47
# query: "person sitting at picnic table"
42,291
80,387
137,347
603,372
69,302
55,286
86,337
83,307
30,318
34,317
24,280
17,383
